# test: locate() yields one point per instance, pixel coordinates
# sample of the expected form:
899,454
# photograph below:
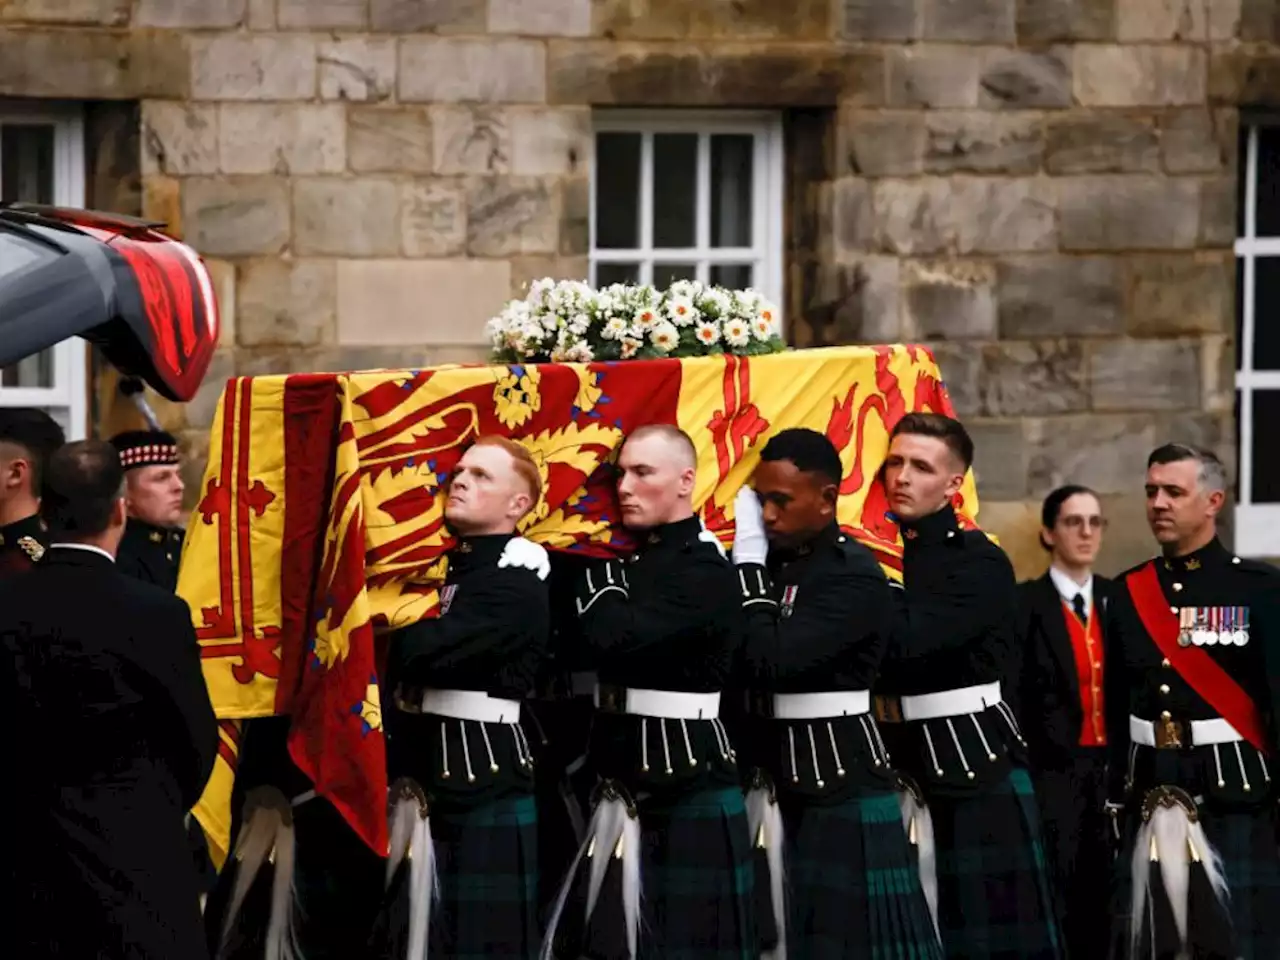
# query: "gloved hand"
601,578
750,545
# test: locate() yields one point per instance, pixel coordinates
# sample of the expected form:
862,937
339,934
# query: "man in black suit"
111,737
27,437
1060,696
152,545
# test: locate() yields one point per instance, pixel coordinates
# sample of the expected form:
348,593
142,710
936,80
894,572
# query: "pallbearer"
28,437
943,712
819,614
462,872
1192,698
666,870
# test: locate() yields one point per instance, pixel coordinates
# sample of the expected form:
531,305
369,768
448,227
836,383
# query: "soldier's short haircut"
82,482
809,450
521,460
948,430
1212,474
671,433
35,433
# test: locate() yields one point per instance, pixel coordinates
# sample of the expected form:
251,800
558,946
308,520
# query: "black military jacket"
955,621
818,618
491,634
669,618
22,544
1141,681
151,553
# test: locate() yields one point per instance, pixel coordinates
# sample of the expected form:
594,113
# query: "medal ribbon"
1194,664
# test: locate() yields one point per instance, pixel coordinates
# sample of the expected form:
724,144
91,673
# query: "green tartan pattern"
697,877
487,864
853,884
995,899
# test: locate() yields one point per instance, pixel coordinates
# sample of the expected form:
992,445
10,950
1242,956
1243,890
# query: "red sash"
1201,672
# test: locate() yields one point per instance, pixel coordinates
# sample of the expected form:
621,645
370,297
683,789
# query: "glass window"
681,195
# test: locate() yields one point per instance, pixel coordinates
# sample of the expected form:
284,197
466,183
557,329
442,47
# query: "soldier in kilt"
463,868
1191,706
819,615
28,437
666,871
943,716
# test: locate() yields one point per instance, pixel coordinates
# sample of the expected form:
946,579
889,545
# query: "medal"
1184,626
1221,616
789,600
1202,636
1242,628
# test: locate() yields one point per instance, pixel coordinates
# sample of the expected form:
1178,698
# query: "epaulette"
32,547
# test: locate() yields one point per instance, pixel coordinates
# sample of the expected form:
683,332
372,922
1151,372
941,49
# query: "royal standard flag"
320,524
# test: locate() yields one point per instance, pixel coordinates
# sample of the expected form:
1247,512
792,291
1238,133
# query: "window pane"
18,253
1239,313
26,163
731,183
1268,222
33,371
1266,452
675,189
735,276
607,273
1266,313
665,274
617,176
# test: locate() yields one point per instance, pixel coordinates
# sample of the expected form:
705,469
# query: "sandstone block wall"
1044,190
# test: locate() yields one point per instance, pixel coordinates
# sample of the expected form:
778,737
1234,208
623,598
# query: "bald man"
668,845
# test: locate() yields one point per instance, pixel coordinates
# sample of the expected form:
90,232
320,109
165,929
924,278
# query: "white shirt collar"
87,547
1068,588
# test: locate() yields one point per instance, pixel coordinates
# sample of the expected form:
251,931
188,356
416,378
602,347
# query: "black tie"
1077,604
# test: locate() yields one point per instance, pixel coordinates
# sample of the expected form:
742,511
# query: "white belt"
1203,732
951,703
583,683
470,705
821,706
665,704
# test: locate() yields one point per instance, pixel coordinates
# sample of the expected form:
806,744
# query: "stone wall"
1044,190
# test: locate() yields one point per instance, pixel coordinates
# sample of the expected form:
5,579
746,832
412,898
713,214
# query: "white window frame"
70,391
767,193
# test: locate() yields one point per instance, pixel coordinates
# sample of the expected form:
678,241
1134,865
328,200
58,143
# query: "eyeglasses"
1078,523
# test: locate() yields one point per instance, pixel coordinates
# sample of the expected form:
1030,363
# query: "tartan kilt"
1246,841
697,876
697,879
995,897
853,885
487,877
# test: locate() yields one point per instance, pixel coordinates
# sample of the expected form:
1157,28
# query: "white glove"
750,545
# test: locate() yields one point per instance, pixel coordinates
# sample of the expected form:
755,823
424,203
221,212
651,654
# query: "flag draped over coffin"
320,522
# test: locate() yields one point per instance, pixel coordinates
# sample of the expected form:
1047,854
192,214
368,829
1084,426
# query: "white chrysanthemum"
687,289
630,346
614,329
645,318
762,328
717,301
708,334
664,336
769,313
579,352
737,333
682,312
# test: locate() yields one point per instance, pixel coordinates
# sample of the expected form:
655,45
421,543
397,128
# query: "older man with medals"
1191,703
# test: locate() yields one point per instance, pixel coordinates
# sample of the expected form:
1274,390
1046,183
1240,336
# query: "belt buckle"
760,705
887,709
1170,734
613,699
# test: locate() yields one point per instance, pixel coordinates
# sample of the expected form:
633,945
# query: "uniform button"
1164,688
1166,715
1097,665
1173,609
1166,664
1177,588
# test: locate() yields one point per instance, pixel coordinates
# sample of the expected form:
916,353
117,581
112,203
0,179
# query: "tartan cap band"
146,448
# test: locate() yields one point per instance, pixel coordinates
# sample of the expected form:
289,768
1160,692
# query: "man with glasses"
1059,694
